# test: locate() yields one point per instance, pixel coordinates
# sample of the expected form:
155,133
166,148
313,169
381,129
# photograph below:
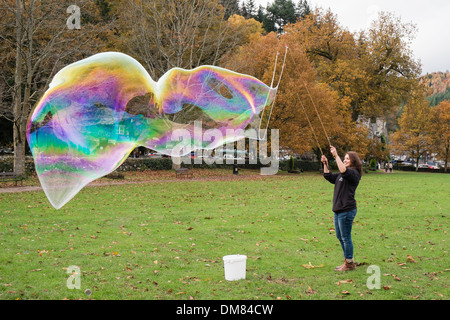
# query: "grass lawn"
161,238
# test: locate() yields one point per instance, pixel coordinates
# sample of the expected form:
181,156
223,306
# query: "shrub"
141,164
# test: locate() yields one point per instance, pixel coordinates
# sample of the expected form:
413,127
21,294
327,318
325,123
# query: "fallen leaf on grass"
344,281
345,292
310,291
410,259
386,287
310,266
41,252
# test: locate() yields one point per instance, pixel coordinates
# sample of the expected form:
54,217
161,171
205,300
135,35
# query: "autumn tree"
185,34
299,95
389,63
373,71
440,131
413,138
37,43
332,51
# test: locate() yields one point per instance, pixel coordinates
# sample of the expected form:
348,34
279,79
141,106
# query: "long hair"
355,161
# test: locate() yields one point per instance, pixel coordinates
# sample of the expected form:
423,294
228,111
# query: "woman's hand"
340,164
333,151
325,164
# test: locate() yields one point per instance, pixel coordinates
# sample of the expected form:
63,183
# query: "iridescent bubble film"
98,110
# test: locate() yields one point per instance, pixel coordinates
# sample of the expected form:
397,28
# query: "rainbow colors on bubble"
99,109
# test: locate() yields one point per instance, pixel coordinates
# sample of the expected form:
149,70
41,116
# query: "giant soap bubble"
98,110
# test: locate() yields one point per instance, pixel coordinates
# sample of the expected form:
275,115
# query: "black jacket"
345,185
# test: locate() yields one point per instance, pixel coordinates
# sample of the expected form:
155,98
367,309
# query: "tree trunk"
447,149
18,137
19,149
176,163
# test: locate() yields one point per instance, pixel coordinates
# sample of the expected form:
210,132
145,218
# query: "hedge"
141,164
132,164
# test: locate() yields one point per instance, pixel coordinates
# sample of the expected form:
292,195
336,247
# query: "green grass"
166,239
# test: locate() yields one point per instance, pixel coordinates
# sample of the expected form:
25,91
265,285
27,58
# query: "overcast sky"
432,18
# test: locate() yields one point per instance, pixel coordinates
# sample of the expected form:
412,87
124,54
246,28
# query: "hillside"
439,86
438,82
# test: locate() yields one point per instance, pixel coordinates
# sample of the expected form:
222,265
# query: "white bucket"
234,267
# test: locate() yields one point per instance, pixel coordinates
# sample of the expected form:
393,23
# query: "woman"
344,203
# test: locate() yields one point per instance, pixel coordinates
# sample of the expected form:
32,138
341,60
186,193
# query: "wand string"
306,114
312,100
267,98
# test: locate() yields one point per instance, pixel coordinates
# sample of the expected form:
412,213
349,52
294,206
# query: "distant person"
390,166
344,203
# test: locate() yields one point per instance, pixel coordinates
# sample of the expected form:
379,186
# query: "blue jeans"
343,224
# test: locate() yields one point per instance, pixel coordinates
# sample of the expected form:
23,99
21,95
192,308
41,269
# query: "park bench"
183,173
11,176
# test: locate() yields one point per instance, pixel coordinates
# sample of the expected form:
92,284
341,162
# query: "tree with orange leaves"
372,71
413,138
440,131
306,112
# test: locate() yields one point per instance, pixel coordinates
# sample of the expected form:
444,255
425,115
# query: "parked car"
154,155
427,166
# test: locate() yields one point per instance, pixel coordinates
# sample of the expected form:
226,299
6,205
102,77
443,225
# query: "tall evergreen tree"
279,13
260,15
302,9
243,10
251,9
